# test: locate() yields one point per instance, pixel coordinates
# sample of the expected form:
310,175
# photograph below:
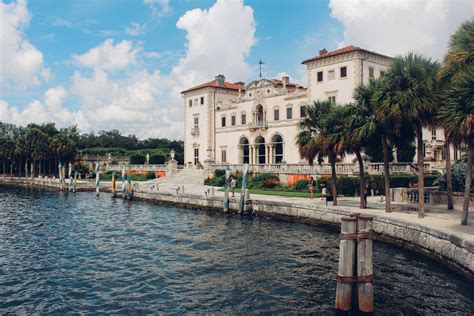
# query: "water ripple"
80,253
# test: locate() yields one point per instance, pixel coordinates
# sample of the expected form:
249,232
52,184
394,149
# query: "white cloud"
146,102
159,8
51,109
135,29
218,41
106,56
21,63
397,27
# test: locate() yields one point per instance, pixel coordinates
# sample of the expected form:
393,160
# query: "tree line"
415,92
37,149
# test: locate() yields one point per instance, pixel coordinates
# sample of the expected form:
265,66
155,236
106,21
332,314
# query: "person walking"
232,185
323,191
312,183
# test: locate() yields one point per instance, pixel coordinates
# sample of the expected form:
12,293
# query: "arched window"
259,114
244,150
277,141
260,142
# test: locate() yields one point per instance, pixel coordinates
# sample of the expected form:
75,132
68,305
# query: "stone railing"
149,167
258,124
325,168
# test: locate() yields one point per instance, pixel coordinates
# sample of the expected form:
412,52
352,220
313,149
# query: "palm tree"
36,141
457,118
367,127
455,62
321,136
7,146
409,97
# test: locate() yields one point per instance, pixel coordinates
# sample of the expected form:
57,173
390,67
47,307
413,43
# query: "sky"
121,64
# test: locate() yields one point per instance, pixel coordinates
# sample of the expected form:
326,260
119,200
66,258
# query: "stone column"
264,116
251,154
267,154
272,154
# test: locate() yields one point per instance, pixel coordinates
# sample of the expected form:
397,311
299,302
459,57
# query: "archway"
244,150
260,142
259,113
277,142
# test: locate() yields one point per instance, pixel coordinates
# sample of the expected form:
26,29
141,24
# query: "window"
320,76
433,133
289,113
371,72
196,101
424,150
243,119
196,156
232,120
332,99
331,75
382,73
202,100
223,121
190,103
303,111
223,155
276,114
196,122
343,72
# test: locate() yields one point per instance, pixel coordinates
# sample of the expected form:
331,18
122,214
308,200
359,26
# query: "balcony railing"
195,131
258,124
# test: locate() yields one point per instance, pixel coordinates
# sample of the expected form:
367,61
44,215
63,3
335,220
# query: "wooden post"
113,184
345,273
75,182
365,287
248,201
244,188
227,188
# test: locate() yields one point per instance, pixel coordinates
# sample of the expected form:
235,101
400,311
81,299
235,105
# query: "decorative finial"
260,64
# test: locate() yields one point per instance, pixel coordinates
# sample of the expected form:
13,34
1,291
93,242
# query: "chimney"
220,80
285,80
323,51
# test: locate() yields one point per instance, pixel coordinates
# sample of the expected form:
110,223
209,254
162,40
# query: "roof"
231,86
344,50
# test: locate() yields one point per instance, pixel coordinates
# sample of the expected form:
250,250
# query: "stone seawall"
448,248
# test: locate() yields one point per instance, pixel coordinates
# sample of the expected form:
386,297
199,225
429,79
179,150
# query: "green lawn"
278,193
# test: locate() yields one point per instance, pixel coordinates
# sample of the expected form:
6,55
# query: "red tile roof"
213,83
344,50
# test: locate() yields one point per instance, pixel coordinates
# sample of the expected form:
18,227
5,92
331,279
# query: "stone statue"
147,158
172,154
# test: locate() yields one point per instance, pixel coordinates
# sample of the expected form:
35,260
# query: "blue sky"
105,64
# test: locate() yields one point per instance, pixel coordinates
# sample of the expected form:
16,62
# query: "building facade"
257,123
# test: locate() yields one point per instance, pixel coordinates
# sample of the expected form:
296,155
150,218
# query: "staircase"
184,176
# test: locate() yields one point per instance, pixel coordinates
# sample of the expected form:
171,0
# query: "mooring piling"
345,272
75,182
227,188
365,289
113,183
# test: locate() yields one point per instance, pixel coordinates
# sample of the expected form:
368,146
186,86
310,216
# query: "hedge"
137,159
157,159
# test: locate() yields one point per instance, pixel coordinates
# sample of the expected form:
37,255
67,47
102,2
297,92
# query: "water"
63,253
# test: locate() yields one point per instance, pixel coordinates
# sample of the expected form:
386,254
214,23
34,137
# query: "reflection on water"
81,253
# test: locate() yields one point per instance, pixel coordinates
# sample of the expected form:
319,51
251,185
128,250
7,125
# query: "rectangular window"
289,113
190,103
224,155
202,100
244,119
343,72
382,73
303,111
433,133
371,72
232,120
196,156
331,75
332,99
276,114
196,123
223,121
320,76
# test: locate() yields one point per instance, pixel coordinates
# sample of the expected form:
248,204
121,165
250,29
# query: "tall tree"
321,136
7,147
457,118
458,58
409,97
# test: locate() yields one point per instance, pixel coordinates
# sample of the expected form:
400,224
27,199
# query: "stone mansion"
257,123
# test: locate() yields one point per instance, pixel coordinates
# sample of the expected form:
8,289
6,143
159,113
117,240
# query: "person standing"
232,185
323,191
311,187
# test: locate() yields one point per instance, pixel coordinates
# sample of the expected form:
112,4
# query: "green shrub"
406,153
264,181
137,159
458,177
347,186
302,185
219,172
150,175
157,159
377,182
